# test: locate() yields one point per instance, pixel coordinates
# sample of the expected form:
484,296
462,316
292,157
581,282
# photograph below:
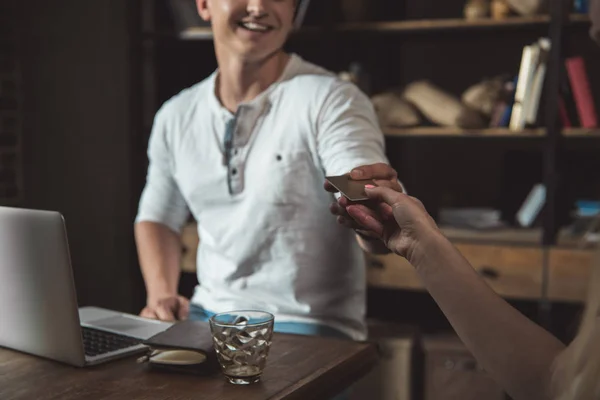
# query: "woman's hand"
382,174
399,220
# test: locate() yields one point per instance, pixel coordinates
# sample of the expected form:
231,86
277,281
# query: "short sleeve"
348,133
161,200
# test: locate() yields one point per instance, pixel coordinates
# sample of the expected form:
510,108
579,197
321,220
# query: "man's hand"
170,308
382,174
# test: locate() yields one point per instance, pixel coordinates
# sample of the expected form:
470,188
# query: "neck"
240,81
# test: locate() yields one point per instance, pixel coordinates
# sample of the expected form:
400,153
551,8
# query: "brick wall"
10,118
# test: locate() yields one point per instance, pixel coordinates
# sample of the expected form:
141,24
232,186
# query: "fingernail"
356,173
369,187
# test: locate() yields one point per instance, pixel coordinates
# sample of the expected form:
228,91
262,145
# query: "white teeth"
253,26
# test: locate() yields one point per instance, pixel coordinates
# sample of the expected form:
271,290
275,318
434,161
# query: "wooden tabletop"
298,367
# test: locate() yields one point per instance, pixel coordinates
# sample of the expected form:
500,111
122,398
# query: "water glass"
242,340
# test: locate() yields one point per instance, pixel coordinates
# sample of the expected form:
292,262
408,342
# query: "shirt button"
234,171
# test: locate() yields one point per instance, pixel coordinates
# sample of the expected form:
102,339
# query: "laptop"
39,314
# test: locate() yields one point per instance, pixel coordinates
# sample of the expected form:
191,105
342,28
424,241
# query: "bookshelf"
421,25
491,132
455,24
431,41
396,60
509,236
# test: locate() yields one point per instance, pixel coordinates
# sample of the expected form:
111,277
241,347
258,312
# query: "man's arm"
159,253
349,136
161,215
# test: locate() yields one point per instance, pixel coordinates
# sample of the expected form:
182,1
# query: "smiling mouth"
255,26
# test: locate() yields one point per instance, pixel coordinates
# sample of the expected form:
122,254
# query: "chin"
257,53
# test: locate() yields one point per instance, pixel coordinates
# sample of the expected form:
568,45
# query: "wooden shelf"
505,236
510,260
421,25
509,236
196,34
581,132
445,131
458,23
436,131
511,271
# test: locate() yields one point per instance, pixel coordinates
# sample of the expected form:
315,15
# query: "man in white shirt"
245,152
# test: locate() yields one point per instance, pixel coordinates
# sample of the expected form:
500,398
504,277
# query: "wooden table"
299,367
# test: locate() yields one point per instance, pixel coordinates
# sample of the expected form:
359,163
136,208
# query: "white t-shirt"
272,244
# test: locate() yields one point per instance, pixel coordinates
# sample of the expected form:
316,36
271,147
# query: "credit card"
353,190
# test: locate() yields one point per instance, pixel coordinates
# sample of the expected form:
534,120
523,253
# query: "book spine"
582,93
524,86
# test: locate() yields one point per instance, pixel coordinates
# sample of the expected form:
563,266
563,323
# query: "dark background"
86,117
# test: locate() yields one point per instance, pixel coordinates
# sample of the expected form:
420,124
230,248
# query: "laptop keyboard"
96,342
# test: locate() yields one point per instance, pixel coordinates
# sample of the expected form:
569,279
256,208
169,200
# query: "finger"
365,232
148,313
366,209
184,308
344,202
385,210
337,209
183,314
374,171
329,187
340,207
392,184
366,220
164,313
348,222
387,195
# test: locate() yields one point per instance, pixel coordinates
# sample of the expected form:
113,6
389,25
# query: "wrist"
157,292
425,246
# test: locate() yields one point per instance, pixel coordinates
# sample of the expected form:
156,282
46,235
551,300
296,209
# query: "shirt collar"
261,102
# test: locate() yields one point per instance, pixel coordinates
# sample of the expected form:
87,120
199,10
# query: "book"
527,70
566,94
504,121
582,93
537,84
532,205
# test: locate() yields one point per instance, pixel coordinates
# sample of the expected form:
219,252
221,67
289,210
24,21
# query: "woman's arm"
515,351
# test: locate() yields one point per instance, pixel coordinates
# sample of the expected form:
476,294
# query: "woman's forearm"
515,351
